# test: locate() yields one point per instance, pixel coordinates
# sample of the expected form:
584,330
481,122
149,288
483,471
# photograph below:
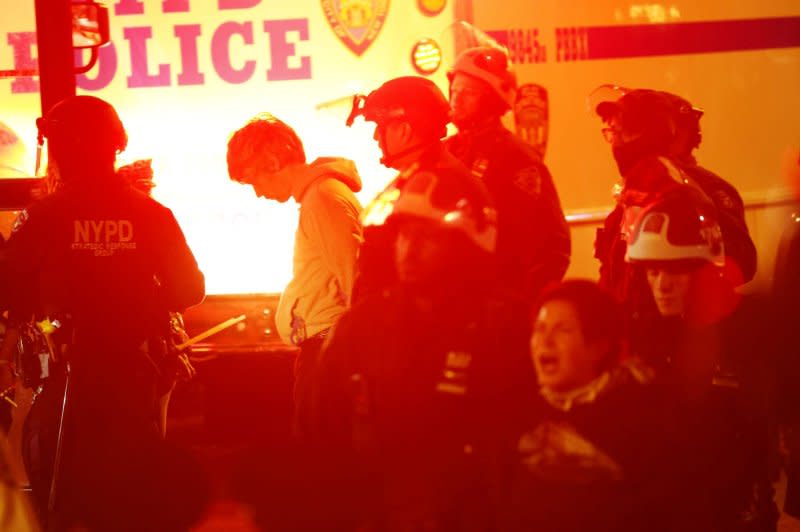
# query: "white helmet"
680,226
450,202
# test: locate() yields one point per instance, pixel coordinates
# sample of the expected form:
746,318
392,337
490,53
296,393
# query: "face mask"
628,154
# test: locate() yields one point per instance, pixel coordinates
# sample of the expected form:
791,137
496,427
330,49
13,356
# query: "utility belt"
44,347
41,349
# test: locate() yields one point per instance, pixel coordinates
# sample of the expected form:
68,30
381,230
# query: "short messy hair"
261,135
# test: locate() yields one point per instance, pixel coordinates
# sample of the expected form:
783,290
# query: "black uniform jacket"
375,264
427,381
109,257
533,240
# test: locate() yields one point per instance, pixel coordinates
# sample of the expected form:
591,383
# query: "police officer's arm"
332,223
739,245
543,228
182,282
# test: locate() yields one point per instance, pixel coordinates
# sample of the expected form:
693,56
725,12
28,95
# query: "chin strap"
390,159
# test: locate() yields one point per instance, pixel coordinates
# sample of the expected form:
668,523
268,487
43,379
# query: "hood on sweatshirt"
338,168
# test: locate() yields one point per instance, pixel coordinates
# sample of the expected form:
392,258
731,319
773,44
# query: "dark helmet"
679,226
449,203
651,106
687,121
84,124
412,98
643,111
492,66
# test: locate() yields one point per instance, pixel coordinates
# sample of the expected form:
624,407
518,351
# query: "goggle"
357,109
379,115
610,134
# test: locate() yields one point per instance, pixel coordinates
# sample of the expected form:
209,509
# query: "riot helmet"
83,125
639,122
687,126
451,204
493,67
678,242
679,227
414,99
411,99
446,232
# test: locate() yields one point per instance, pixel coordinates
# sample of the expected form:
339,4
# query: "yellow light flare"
243,244
182,120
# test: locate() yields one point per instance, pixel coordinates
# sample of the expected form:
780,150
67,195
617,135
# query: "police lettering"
228,42
103,237
103,230
136,7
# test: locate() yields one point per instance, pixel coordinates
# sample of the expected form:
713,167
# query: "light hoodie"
325,248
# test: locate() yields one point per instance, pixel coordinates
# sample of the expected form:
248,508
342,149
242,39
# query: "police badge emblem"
531,116
356,22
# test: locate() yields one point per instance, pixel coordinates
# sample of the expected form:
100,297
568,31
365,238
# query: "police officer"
100,264
533,244
411,116
418,381
644,124
729,203
714,357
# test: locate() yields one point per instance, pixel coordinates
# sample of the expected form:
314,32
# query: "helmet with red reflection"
687,123
449,203
642,111
679,226
414,99
492,66
662,116
83,125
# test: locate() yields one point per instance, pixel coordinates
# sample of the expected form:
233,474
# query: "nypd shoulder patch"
529,181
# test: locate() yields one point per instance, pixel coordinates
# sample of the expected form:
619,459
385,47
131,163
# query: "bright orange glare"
243,244
182,121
